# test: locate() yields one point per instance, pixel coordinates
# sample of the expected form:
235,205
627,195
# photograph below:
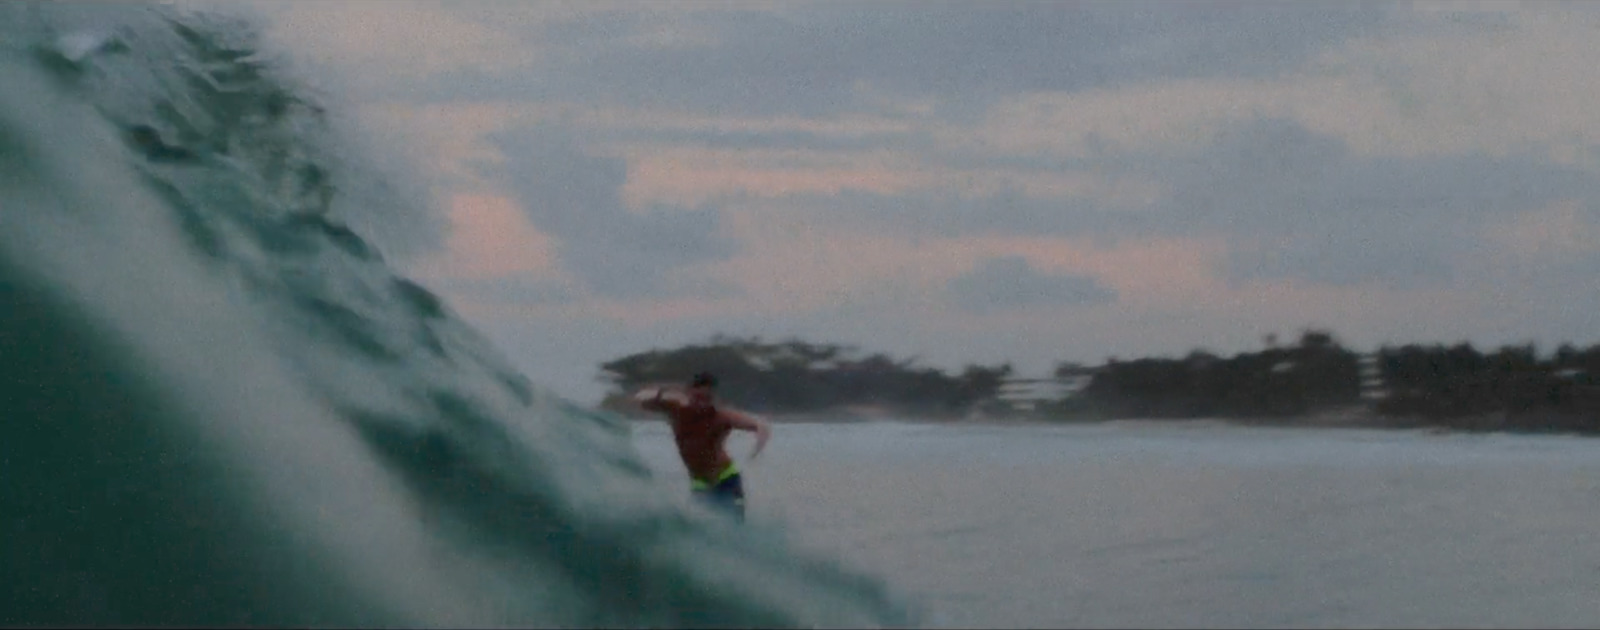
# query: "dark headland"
1312,382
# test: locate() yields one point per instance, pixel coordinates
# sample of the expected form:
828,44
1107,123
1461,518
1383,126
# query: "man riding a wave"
701,427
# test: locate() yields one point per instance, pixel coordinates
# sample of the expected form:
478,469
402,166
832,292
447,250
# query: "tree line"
1512,388
1313,375
794,376
1455,386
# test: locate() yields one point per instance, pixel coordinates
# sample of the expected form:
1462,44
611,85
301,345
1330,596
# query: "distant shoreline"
1313,382
1350,418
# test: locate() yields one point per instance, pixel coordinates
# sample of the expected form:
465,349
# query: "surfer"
701,427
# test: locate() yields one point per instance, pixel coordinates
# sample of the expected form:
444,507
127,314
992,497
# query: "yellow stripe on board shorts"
731,470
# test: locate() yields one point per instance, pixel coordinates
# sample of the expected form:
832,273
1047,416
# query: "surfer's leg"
731,493
727,495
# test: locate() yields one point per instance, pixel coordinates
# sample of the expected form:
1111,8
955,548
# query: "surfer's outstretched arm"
657,397
747,422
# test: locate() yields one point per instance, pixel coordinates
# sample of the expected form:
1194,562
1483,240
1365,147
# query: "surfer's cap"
703,379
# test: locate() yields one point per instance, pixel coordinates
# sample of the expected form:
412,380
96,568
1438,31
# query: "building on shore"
1373,388
1022,394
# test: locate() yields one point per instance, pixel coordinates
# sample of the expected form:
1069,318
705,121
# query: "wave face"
221,406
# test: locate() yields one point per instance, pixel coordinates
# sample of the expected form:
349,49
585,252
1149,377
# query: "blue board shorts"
726,494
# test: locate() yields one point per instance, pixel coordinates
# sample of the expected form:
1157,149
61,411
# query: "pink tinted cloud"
791,268
624,313
1170,282
796,265
491,237
691,176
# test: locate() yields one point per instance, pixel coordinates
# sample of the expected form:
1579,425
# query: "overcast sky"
986,181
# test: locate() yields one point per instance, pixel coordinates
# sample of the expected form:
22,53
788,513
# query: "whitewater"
222,405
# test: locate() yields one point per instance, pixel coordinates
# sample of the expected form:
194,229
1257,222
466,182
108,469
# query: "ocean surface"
221,405
1143,524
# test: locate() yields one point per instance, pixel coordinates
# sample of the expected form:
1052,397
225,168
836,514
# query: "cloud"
1566,230
392,41
1297,204
1505,80
820,58
1289,202
1011,282
1378,258
849,172
577,199
1427,82
490,237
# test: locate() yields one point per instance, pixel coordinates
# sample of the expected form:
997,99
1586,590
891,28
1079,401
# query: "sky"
983,182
